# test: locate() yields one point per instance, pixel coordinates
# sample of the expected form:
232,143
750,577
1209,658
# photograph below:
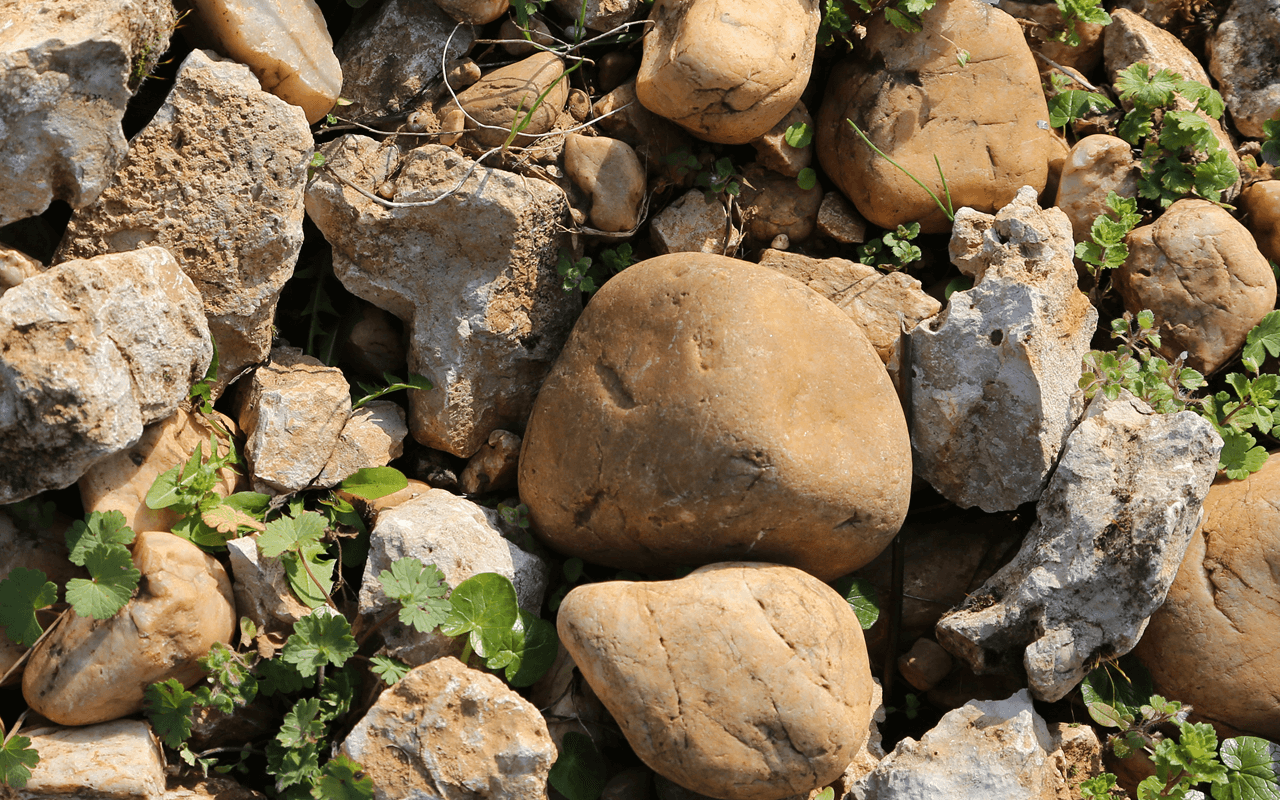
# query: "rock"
531,89
989,435
1244,57
15,267
31,547
598,15
221,191
494,466
791,699
373,437
90,352
262,590
838,219
521,42
925,664
1110,530
473,277
773,152
1213,642
191,785
870,297
630,784
1201,273
1096,165
375,345
665,434
774,205
1046,24
727,70
416,488
1081,752
67,70
293,411
694,224
621,116
92,670
285,42
996,750
1261,205
453,533
119,760
474,12
609,171
981,121
392,56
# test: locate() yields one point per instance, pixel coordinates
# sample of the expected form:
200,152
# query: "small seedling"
1068,105
1271,142
1079,11
390,384
897,243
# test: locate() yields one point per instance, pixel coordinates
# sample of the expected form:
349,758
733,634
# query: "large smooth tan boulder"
740,681
91,670
1215,643
706,409
914,101
1200,271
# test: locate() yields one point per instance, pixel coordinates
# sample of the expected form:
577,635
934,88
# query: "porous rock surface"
1244,57
988,434
689,420
110,761
740,681
373,437
1110,532
90,352
694,224
217,178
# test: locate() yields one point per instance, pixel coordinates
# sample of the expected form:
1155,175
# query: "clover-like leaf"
113,579
484,607
579,772
17,759
342,779
1240,458
22,594
291,533
390,670
169,706
319,639
1262,340
420,589
98,528
539,648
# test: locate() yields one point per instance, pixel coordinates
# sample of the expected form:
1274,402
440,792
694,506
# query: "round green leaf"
579,773
540,647
483,606
860,594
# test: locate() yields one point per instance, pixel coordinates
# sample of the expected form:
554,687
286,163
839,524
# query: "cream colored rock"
657,440
727,70
741,681
494,104
1244,57
925,664
1096,165
285,42
871,298
1201,273
621,116
609,171
494,466
293,411
446,731
774,205
120,482
92,670
262,590
1261,205
373,437
119,760
1213,642
772,150
910,97
694,224
475,12
838,219
15,267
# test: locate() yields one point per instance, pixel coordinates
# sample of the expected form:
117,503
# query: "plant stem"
945,209
303,560
22,659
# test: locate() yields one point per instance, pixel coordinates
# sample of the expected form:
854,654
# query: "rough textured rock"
870,297
609,171
496,102
1261,205
774,205
474,12
113,761
456,535
293,411
262,590
1201,273
28,544
1046,23
996,750
221,191
66,73
741,681
473,277
92,670
989,435
727,70
694,224
666,433
838,219
373,437
90,352
772,150
285,42
1081,752
600,15
1244,57
1110,531
1096,165
981,120
393,55
494,466
445,731
1213,642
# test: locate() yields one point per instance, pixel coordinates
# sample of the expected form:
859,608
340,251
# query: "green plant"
721,179
861,595
1068,105
896,243
585,275
799,134
205,518
947,209
1085,11
1271,142
390,384
911,710
1106,249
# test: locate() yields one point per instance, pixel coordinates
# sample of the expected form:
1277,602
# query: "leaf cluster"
205,518
1106,248
1084,11
585,275
898,244
390,383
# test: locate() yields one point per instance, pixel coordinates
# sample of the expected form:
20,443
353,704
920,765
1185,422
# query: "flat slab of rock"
119,760
740,681
1111,529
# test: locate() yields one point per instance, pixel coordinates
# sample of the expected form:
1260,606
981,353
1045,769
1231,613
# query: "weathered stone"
1244,56
446,731
494,466
772,150
392,56
529,91
911,99
518,44
15,267
1110,531
694,224
600,15
989,434
293,411
870,297
654,138
192,785
473,277
90,352
609,171
67,70
1261,205
375,345
838,219
1081,752
630,784
924,664
474,12
666,433
217,178
727,70
741,681
457,536
1201,273
1047,24
262,590
996,750
113,761
373,437
1097,165
92,670
774,205
1213,642
31,547
285,42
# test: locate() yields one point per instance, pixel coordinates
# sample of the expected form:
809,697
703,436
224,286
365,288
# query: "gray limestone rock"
373,437
1244,55
1111,530
988,435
